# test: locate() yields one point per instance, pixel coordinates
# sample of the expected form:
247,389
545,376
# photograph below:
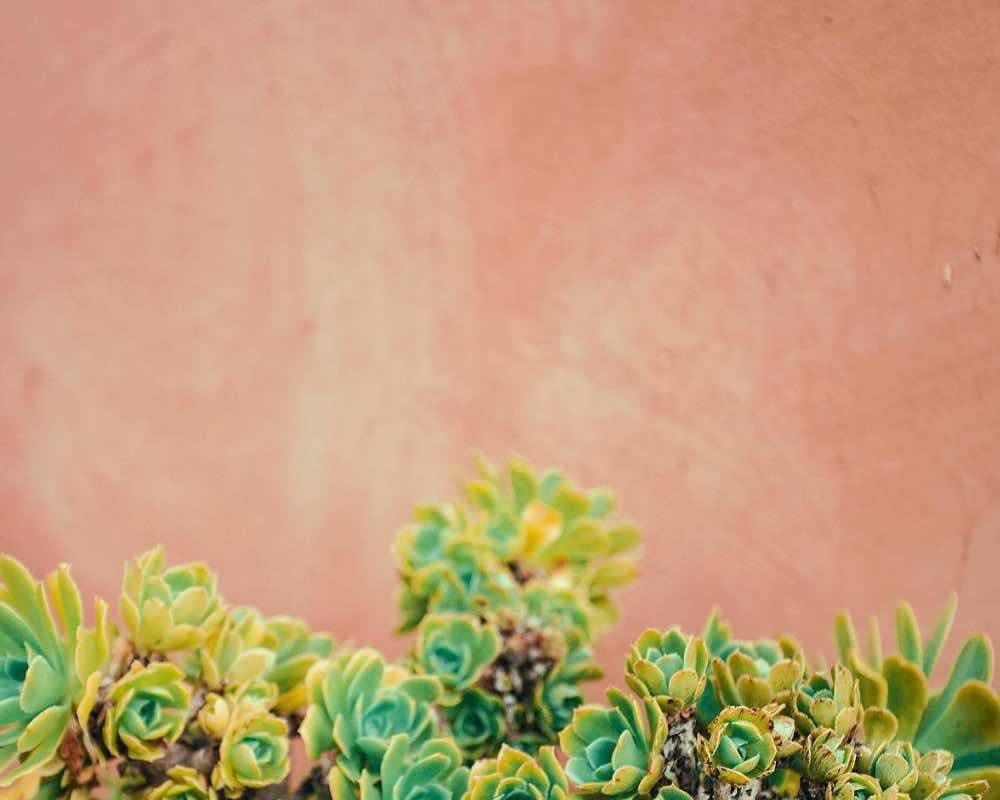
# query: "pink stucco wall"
270,272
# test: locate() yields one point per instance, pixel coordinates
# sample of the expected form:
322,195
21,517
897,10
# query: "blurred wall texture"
271,272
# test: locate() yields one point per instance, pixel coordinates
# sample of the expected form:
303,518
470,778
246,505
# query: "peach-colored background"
272,271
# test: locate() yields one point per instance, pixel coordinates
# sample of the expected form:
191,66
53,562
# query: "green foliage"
617,751
169,609
43,669
253,752
740,745
356,706
532,558
430,771
147,710
669,667
506,592
514,775
455,648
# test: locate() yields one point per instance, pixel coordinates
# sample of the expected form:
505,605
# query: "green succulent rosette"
253,752
147,711
356,706
430,771
447,565
44,669
171,609
477,723
615,752
740,745
825,756
231,656
467,579
893,764
670,667
832,702
455,648
544,522
514,775
754,674
296,649
424,542
182,783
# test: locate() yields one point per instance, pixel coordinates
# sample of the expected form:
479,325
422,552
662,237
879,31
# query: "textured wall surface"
270,272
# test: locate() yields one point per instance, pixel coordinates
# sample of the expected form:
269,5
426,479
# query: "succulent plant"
747,673
231,656
432,771
893,764
963,717
356,711
467,579
740,746
477,723
825,755
148,708
832,701
183,783
615,752
296,649
506,590
169,609
670,667
514,775
43,671
253,752
455,648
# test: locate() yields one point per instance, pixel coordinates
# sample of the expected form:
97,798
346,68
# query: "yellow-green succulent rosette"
169,609
253,752
148,710
740,745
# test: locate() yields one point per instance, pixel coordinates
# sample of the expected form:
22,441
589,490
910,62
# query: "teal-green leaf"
43,687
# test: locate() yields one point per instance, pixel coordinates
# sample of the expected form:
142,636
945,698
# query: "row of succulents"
507,590
193,699
713,717
190,698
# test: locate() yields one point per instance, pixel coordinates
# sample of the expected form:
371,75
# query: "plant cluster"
190,699
711,717
507,592
193,699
